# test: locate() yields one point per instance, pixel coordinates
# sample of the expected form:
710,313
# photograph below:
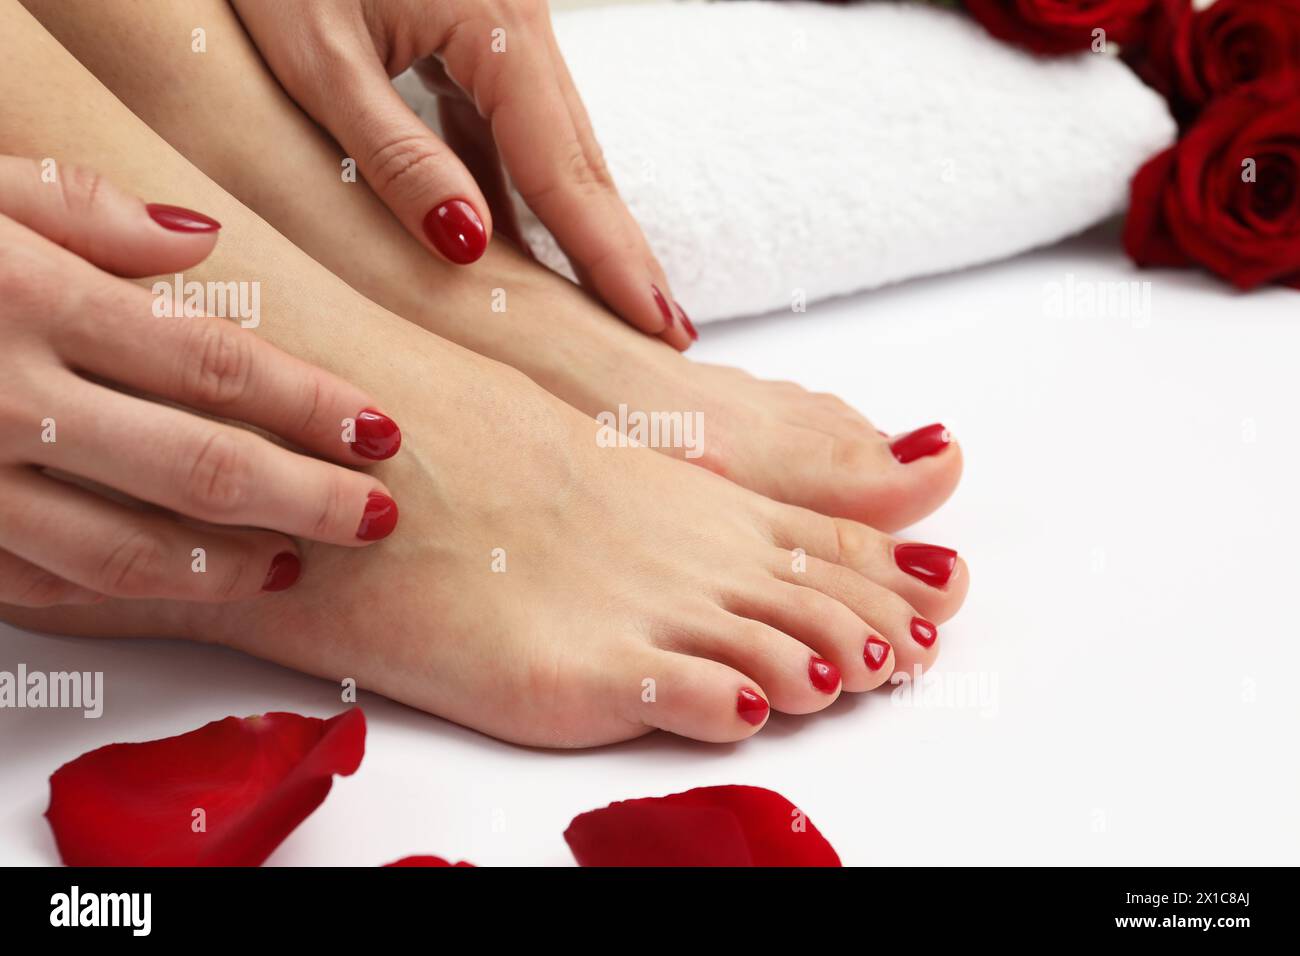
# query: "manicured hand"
110,483
506,98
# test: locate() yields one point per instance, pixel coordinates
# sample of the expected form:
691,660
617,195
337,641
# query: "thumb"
86,214
416,174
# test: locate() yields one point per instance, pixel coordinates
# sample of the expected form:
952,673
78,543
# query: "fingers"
215,366
83,212
545,140
211,471
25,585
107,548
416,175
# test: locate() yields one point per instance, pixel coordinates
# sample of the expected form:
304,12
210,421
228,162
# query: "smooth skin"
68,324
776,438
604,587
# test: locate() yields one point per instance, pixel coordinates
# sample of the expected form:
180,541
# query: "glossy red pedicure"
875,653
180,219
284,571
929,440
379,519
928,562
378,436
687,324
662,303
751,707
457,231
824,675
923,632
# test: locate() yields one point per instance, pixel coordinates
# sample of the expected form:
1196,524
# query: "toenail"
929,440
377,435
284,571
875,653
923,632
928,562
824,675
379,519
662,305
751,707
686,322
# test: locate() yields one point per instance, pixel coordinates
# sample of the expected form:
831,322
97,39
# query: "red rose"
1061,26
1193,56
1227,195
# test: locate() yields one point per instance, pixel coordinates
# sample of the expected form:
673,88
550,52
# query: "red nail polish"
923,632
929,440
284,571
378,436
875,653
824,675
686,322
379,519
180,219
662,303
929,562
751,707
457,231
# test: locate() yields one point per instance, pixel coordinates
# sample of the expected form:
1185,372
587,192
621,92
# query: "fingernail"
180,219
686,322
824,675
379,518
457,231
923,632
929,562
875,653
751,707
377,435
929,440
662,303
284,571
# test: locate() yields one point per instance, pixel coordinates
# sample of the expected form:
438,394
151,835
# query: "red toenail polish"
751,707
824,675
662,303
284,570
923,632
378,436
686,322
379,518
929,562
456,231
180,219
929,440
875,653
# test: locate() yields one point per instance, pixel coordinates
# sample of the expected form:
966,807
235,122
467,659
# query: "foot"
775,438
548,589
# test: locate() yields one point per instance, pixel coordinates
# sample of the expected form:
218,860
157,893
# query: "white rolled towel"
773,151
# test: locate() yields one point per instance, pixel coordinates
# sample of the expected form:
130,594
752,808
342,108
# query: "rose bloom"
1192,56
1061,26
1227,195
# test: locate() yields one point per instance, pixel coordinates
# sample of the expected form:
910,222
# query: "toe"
913,637
699,698
932,578
795,679
834,633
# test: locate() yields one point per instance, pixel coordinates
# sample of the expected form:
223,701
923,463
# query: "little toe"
699,698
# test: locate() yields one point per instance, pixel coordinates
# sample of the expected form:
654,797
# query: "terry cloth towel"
778,151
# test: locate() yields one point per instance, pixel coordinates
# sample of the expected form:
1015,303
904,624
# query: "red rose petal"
425,861
255,779
708,826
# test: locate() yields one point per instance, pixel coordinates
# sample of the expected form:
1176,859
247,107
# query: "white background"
1129,516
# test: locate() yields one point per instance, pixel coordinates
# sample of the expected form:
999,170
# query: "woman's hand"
79,452
505,97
